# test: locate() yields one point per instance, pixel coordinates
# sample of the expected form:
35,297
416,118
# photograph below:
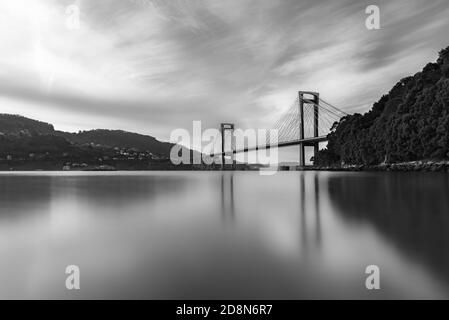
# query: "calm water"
232,235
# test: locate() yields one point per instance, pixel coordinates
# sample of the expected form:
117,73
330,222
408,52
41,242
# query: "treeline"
20,136
11,124
24,145
120,139
410,123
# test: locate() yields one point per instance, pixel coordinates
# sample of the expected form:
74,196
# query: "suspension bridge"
306,123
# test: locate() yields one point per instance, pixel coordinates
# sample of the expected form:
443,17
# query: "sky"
152,66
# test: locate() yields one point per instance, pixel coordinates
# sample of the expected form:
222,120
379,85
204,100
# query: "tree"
411,122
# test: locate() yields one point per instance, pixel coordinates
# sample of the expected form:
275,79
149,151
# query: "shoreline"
411,166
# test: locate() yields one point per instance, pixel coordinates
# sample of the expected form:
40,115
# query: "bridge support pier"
308,97
223,128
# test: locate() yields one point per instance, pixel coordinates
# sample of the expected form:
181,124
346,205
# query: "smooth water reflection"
225,235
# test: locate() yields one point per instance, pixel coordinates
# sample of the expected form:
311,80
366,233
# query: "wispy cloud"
151,65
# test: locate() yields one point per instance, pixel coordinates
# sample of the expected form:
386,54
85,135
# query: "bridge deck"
306,141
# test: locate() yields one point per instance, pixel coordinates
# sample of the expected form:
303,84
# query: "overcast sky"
151,66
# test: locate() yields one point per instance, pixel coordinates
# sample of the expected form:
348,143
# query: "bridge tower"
223,128
313,98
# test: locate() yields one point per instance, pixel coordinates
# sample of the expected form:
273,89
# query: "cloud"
152,66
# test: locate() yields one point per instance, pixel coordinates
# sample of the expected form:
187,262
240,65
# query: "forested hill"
17,125
410,123
20,135
119,138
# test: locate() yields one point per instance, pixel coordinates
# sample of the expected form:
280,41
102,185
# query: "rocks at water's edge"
423,165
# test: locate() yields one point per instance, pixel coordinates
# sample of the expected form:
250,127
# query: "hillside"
37,144
409,123
18,125
20,133
120,139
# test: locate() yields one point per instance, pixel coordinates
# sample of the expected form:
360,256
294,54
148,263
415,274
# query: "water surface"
231,235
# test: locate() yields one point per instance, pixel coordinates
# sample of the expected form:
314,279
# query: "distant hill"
39,144
410,123
14,127
120,139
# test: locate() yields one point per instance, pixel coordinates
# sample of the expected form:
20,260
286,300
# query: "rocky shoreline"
412,166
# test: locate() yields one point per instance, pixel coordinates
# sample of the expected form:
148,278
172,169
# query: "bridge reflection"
227,197
308,208
310,212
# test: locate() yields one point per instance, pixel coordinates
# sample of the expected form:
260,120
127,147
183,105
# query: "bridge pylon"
223,128
308,97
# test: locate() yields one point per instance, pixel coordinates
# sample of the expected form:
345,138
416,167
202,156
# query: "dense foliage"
410,123
23,146
119,138
17,125
22,136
